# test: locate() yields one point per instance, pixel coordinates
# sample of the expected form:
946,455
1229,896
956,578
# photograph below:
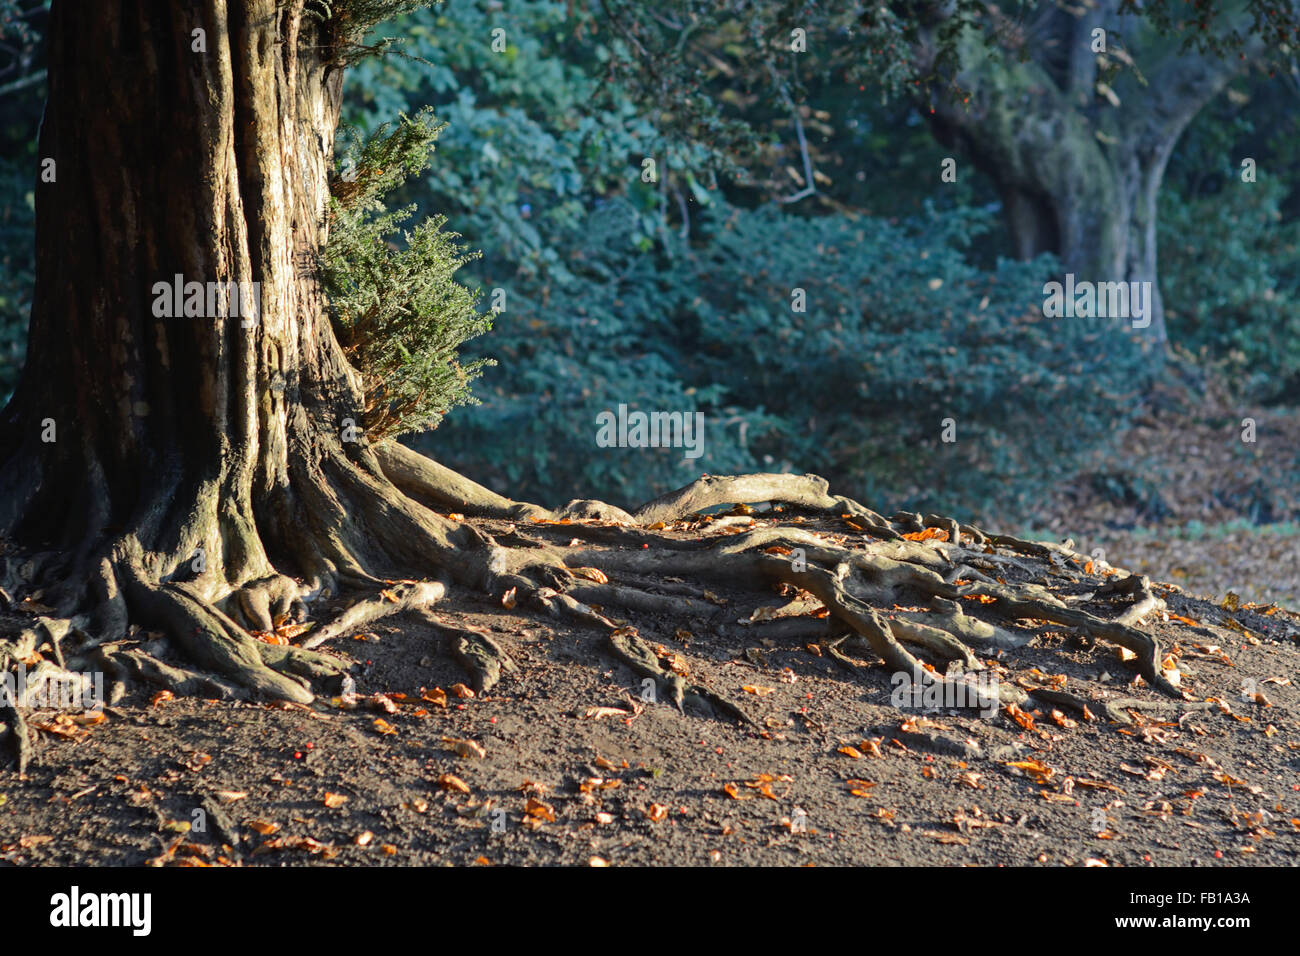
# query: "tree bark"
176,462
1079,165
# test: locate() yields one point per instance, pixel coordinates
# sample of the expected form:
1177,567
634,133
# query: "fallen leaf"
1040,771
595,713
926,535
538,810
448,781
466,748
437,696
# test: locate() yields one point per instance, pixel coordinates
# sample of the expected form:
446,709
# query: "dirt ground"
833,773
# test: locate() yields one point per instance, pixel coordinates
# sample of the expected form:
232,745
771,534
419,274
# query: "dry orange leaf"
449,781
335,799
1061,720
1019,716
538,810
465,748
437,696
1040,771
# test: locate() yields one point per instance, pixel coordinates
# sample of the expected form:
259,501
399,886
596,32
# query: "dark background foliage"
676,294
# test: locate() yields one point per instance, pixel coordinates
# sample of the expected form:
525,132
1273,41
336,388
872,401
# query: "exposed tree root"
397,600
179,680
17,734
865,587
474,649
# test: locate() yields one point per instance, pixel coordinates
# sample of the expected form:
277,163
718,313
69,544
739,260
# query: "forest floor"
562,763
1184,499
569,766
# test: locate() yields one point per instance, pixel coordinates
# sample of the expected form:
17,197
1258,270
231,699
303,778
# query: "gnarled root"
901,598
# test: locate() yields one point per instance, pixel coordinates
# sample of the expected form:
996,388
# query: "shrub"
900,334
398,312
1230,284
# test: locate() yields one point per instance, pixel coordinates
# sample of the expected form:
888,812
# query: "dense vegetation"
849,332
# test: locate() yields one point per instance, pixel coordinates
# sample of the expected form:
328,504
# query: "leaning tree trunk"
1079,164
175,461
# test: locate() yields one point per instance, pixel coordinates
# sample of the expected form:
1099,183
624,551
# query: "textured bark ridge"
178,468
193,474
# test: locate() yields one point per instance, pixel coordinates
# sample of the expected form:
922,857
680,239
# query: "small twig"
23,83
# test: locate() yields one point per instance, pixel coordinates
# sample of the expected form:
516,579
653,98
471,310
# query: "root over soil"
927,596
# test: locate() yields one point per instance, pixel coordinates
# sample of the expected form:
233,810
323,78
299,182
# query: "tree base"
924,594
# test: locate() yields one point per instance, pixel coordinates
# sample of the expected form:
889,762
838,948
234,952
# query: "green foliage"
1228,249
676,297
1229,280
351,20
398,312
570,348
22,95
17,268
900,334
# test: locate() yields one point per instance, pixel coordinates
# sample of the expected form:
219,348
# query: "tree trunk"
176,460
1079,165
197,472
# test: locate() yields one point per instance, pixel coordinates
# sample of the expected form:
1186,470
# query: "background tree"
1072,111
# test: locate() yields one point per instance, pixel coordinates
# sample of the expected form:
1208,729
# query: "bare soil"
833,773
